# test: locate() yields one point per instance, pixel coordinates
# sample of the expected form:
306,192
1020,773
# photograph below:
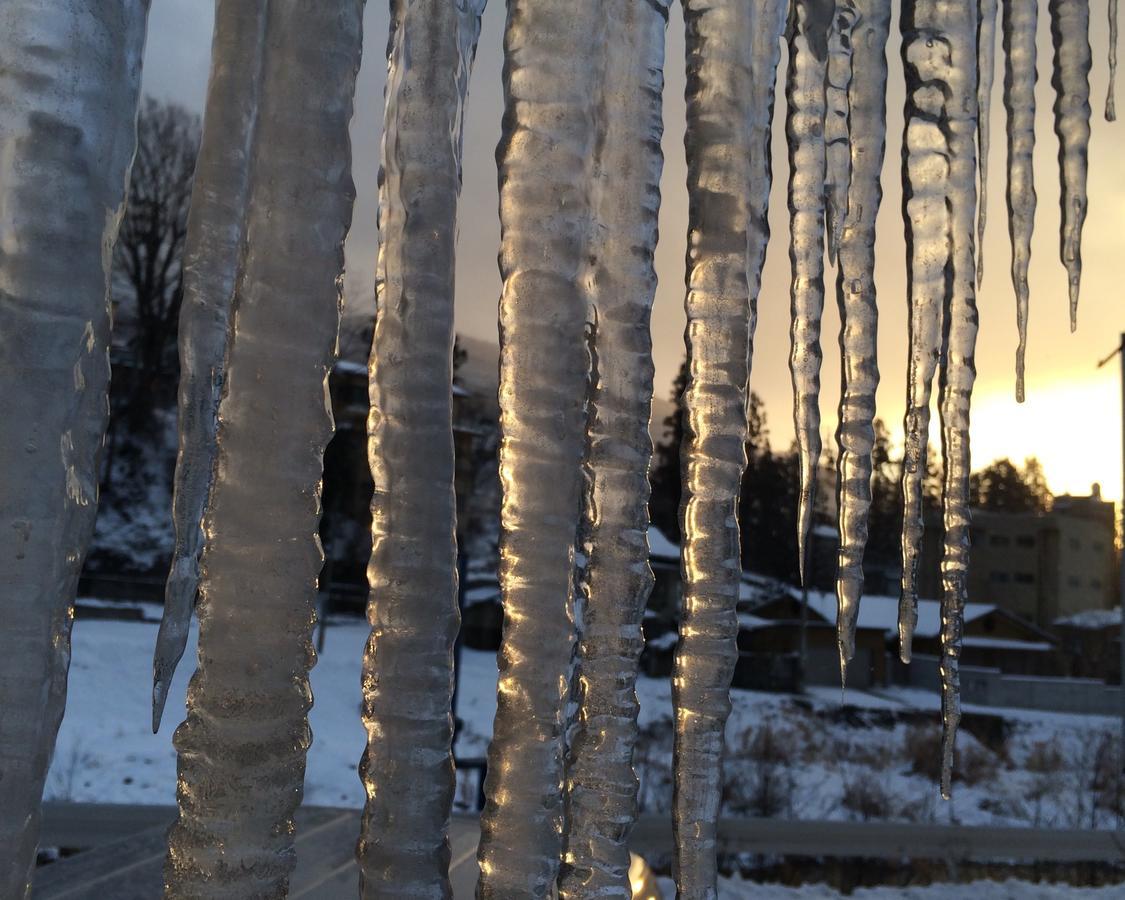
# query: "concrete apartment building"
1039,566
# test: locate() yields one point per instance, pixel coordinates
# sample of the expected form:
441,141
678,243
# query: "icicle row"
212,255
809,25
242,748
986,68
730,47
601,798
1070,25
837,151
407,767
68,97
925,173
856,296
958,22
1019,25
555,53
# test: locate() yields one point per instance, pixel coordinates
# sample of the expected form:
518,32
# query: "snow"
737,889
1093,619
659,547
1007,644
878,612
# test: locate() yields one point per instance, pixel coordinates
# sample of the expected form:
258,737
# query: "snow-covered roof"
1093,619
350,368
989,643
659,546
882,612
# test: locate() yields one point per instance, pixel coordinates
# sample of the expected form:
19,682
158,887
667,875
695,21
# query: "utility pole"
1120,352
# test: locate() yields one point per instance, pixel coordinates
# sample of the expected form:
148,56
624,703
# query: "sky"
1071,419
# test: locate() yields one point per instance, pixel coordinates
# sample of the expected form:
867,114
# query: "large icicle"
601,795
859,316
957,21
69,79
555,55
925,174
732,52
1070,26
986,71
809,24
407,768
1019,26
242,747
836,146
216,230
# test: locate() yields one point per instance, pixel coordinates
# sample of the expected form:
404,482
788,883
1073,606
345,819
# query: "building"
1039,566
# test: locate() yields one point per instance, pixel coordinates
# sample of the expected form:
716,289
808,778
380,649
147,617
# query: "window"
1025,578
1096,583
998,577
999,540
1025,540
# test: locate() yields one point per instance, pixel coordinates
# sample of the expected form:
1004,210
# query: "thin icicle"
958,24
836,144
242,748
555,56
1070,26
216,231
601,797
407,768
925,173
986,68
408,663
809,24
1019,25
1110,102
68,98
732,47
859,316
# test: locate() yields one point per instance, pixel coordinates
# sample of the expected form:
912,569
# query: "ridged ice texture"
1019,24
242,747
986,71
69,78
555,55
601,789
925,177
1070,27
859,315
836,147
212,254
407,768
732,51
809,25
1110,101
957,21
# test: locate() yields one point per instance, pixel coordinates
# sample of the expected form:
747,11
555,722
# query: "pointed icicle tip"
159,700
1074,284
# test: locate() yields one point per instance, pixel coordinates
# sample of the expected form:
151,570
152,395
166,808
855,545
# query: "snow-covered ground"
988,890
797,757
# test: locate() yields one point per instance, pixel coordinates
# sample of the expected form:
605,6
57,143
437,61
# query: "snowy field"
987,890
794,757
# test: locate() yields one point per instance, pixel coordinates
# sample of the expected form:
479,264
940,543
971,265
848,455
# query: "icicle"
1110,104
1070,25
216,230
242,747
837,150
601,797
407,768
855,294
546,173
68,97
958,369
1019,25
732,50
925,172
986,66
804,128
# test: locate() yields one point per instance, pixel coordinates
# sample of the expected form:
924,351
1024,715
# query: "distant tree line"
767,508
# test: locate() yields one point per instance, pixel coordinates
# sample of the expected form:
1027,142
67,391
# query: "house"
1090,642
